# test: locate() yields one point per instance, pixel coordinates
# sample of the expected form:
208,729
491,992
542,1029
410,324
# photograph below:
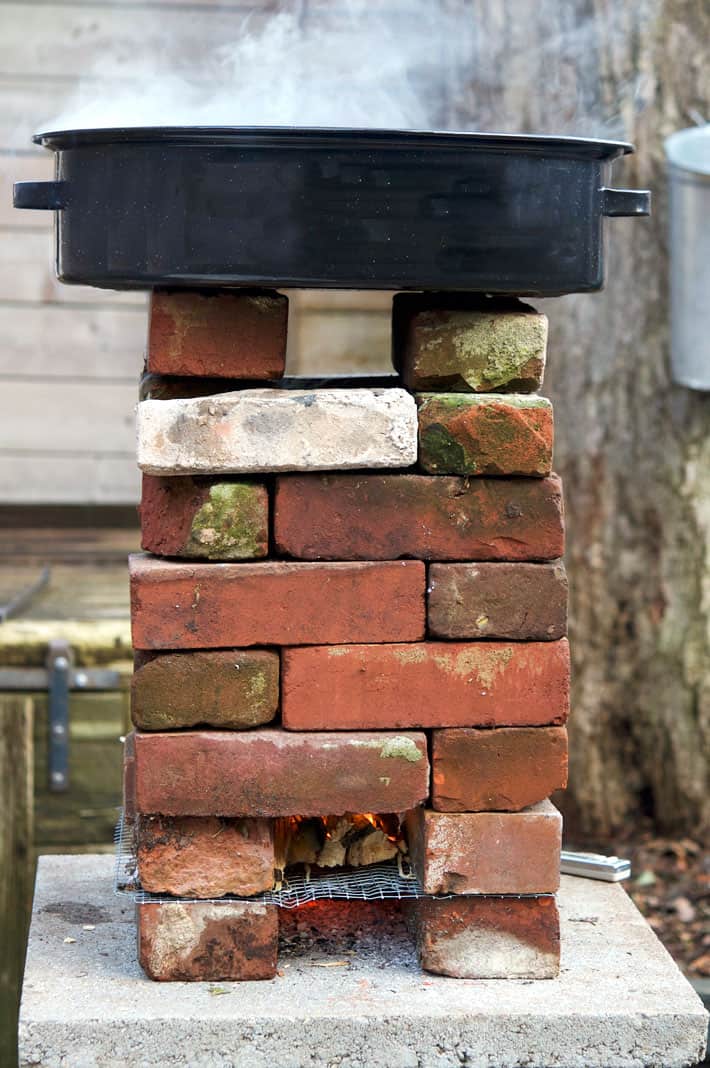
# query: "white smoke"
354,63
398,64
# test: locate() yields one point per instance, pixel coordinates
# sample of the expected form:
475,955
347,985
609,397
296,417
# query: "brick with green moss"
468,344
232,689
204,519
485,434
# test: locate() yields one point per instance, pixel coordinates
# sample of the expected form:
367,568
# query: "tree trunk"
633,449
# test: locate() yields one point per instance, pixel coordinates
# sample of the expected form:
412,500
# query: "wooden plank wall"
69,355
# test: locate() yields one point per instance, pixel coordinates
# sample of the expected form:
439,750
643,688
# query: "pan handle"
617,202
45,196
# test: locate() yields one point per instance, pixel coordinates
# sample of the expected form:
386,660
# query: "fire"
353,840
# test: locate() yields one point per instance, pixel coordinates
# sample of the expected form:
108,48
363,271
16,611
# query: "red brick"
207,942
274,773
461,434
205,856
520,601
226,334
232,688
129,778
204,518
203,606
486,852
502,770
429,517
489,937
427,684
466,343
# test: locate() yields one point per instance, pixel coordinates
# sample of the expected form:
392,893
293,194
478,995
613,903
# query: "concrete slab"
620,1001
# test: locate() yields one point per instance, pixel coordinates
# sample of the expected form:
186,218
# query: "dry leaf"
684,909
68,941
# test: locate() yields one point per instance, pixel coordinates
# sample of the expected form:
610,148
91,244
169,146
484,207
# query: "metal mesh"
389,880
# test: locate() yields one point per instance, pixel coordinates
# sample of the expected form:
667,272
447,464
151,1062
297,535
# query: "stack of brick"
351,600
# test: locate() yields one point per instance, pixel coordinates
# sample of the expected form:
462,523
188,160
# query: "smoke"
510,65
353,63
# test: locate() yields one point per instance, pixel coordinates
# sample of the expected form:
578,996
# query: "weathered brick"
205,856
518,601
229,334
275,773
486,852
488,937
503,770
207,942
229,688
429,517
203,606
204,519
427,684
467,344
129,778
478,434
263,430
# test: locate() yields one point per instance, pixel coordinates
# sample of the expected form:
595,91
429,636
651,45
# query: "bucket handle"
620,202
41,196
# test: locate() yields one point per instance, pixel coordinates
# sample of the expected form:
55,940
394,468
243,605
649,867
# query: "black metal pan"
351,209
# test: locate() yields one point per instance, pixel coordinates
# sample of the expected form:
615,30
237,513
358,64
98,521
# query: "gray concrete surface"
620,1001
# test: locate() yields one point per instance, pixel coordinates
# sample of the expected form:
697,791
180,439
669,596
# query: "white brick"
278,430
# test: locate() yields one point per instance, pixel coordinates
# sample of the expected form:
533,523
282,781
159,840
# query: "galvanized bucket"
688,154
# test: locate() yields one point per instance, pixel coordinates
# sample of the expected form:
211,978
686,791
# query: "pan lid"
314,137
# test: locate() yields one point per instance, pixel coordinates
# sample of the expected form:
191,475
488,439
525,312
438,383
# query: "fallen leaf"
684,909
89,927
702,964
215,991
68,941
646,878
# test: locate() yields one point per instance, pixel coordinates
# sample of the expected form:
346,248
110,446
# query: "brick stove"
349,624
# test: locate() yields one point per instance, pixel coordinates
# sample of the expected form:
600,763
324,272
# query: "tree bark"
632,448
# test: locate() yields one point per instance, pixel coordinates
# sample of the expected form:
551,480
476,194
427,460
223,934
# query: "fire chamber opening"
350,841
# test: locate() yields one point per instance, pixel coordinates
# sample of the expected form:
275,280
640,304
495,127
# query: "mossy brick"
501,770
229,688
180,605
429,517
483,434
468,344
488,937
200,941
204,519
274,773
218,333
486,852
204,856
517,601
425,684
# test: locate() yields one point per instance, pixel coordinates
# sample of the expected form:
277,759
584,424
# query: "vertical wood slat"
16,859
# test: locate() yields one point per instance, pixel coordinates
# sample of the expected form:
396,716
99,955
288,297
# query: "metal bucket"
688,153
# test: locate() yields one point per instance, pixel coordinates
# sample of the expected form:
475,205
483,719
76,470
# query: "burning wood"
353,840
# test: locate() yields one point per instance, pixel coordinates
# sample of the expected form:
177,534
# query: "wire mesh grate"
387,880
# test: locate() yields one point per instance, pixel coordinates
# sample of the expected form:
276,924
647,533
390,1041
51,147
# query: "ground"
670,884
